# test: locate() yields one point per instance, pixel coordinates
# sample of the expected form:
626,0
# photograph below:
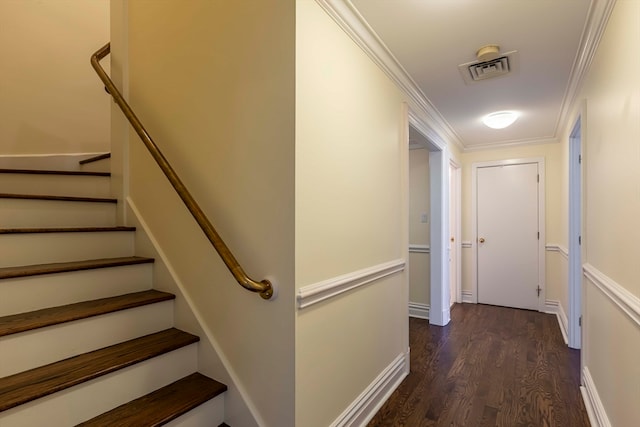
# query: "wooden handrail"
264,288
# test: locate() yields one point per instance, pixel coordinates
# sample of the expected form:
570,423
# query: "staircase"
84,337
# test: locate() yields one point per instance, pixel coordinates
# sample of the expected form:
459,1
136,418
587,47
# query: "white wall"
351,166
611,155
419,264
51,99
222,111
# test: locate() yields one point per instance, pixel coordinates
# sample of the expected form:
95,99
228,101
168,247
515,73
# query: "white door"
508,233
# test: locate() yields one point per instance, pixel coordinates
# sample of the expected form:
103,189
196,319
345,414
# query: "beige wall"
350,215
611,154
222,112
52,102
419,263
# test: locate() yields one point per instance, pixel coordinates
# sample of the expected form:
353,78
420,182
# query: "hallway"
491,366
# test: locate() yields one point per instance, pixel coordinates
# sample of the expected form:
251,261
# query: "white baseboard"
364,408
595,409
419,310
243,400
554,307
467,297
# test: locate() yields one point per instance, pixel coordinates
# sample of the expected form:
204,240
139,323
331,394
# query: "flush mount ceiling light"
500,119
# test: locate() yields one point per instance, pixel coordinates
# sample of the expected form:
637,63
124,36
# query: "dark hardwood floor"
491,366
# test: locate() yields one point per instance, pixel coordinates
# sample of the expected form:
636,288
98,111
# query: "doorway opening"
437,219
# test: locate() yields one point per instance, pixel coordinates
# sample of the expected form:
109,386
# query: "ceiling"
430,38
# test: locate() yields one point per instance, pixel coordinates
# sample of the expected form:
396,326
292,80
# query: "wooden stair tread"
22,322
63,267
95,158
161,406
33,384
58,198
64,230
54,172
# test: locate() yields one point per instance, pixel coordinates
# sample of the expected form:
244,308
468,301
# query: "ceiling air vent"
490,64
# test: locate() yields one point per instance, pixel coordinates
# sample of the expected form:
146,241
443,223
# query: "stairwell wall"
213,82
52,102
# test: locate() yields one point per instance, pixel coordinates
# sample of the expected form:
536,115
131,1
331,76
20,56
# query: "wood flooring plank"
161,406
43,381
23,322
491,366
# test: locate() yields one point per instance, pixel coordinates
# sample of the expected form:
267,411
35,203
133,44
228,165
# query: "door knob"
452,239
481,240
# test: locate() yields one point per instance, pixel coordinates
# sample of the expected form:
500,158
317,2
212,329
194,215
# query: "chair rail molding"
317,292
552,247
422,249
628,302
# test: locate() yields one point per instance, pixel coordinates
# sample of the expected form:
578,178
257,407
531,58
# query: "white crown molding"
353,23
419,310
628,302
597,18
552,247
422,249
364,408
554,307
438,129
317,292
510,144
595,408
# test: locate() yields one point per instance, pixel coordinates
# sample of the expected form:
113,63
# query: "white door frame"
575,234
439,309
455,227
541,223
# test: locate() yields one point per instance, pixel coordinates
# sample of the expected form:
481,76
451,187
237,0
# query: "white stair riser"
85,401
21,213
23,294
65,162
23,351
44,248
103,165
56,185
210,413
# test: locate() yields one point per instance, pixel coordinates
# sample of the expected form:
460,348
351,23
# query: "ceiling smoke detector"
490,63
